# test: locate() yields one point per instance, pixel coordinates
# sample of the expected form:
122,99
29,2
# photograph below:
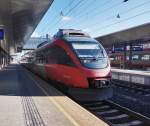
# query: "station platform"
27,100
136,72
133,76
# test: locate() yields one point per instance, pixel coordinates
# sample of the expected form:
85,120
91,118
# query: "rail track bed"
138,88
114,114
133,96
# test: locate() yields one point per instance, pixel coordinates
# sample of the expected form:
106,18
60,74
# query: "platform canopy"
26,15
135,33
18,19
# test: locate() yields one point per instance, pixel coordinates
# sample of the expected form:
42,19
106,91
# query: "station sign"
137,48
1,34
118,49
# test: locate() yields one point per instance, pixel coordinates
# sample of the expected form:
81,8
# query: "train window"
57,55
135,57
119,57
40,58
145,57
146,46
91,55
112,58
88,50
128,47
127,57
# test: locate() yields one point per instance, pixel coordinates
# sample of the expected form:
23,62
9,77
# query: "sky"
97,17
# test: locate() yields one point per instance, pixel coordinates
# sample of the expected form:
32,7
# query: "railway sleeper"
132,123
93,105
99,108
109,112
116,113
120,116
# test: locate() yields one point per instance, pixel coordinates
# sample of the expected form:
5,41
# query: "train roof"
70,33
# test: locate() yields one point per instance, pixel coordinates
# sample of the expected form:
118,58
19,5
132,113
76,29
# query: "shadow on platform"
14,81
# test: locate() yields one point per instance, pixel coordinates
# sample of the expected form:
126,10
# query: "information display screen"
1,34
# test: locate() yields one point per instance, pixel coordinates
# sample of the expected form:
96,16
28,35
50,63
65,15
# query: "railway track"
133,96
138,88
115,115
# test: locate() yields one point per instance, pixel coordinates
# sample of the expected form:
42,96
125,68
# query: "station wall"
6,23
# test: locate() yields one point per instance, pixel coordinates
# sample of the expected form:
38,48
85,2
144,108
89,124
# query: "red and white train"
75,60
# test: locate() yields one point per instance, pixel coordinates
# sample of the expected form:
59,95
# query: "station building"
129,48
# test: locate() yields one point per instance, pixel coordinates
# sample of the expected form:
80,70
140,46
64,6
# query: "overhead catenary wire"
108,18
114,16
57,16
70,10
104,10
126,19
84,8
79,2
80,15
46,22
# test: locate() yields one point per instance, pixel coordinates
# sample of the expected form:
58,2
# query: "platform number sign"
1,34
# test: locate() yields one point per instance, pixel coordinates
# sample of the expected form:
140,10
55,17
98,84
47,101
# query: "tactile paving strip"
31,114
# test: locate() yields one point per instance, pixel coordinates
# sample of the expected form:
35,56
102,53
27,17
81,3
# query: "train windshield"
91,55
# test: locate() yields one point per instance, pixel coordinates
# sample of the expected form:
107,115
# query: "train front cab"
93,63
84,83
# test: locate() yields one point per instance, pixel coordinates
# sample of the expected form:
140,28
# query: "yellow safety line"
55,103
